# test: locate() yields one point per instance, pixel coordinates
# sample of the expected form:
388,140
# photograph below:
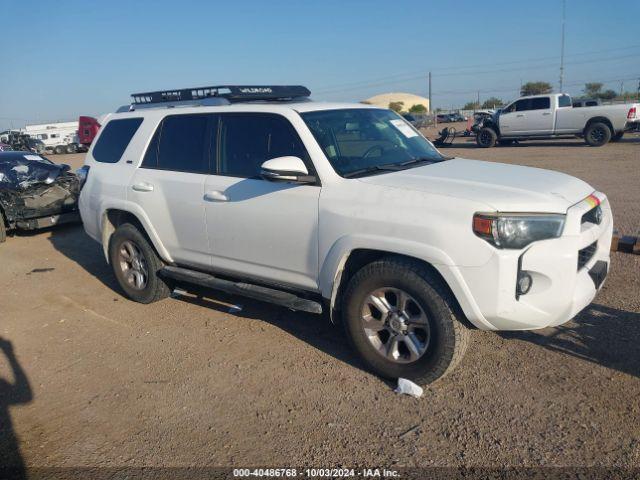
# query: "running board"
257,292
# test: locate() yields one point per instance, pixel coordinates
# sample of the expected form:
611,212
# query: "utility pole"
564,8
621,87
478,100
430,106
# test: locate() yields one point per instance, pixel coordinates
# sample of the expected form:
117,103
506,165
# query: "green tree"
492,102
535,88
396,106
607,95
471,106
593,89
418,108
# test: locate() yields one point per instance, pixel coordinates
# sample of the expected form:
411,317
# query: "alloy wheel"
396,325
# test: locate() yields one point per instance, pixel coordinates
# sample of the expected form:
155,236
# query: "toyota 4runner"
342,208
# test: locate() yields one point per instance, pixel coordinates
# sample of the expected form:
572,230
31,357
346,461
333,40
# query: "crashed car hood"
502,187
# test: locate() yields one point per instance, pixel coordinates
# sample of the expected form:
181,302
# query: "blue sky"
67,58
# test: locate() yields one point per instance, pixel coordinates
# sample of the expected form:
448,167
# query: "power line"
400,77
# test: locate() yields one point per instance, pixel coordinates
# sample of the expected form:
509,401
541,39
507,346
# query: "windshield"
365,141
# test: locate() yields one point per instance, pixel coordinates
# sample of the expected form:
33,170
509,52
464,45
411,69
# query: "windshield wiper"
388,167
415,161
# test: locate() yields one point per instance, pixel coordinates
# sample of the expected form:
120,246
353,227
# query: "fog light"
524,283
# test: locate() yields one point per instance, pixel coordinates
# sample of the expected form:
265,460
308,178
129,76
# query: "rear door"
169,186
259,228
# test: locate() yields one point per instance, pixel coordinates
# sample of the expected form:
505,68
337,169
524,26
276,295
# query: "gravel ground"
184,382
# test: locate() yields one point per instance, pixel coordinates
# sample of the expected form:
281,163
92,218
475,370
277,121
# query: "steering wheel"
372,149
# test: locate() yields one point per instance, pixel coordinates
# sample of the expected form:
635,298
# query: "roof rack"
232,93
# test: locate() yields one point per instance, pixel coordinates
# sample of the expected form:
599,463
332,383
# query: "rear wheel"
71,148
136,265
59,150
617,136
597,134
486,137
400,318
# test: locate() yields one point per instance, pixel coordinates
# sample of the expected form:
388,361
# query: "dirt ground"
184,382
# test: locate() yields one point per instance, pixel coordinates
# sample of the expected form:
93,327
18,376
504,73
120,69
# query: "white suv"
344,208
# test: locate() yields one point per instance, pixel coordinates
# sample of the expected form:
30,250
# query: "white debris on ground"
407,387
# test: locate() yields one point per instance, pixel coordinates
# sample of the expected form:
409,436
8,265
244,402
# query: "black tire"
154,288
71,148
59,150
448,337
617,137
3,229
597,134
486,137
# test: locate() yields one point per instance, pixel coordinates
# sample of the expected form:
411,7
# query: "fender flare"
106,229
333,267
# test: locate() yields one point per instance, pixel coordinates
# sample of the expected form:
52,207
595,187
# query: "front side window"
114,139
180,144
247,140
540,103
363,141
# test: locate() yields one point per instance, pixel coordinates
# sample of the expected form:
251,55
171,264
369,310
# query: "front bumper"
563,283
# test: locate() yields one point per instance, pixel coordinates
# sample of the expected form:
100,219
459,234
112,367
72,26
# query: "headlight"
517,230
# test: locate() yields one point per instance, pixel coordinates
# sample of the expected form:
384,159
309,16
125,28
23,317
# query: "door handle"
547,113
215,196
520,115
142,187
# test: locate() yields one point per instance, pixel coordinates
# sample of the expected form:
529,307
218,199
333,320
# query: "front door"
259,228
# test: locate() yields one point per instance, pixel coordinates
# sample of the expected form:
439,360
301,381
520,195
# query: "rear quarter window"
114,139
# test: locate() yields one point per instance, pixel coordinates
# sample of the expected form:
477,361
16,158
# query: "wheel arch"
604,120
112,218
351,260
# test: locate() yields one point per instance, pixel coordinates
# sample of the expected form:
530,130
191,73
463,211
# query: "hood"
500,186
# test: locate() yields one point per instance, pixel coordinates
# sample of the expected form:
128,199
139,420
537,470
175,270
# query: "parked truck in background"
555,116
87,130
61,137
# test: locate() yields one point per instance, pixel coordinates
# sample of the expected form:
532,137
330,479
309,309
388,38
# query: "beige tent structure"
407,99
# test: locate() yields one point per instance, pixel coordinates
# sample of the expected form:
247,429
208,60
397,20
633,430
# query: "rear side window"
248,140
114,139
541,103
564,101
180,144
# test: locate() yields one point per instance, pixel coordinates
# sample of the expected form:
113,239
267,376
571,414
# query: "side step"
257,292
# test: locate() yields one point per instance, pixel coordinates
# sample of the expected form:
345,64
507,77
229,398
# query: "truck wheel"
597,134
618,136
486,137
399,318
71,148
136,265
59,150
3,230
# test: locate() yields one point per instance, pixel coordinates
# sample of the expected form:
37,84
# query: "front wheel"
486,137
400,318
136,265
597,134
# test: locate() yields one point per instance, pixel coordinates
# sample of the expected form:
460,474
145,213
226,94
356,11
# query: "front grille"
586,254
593,216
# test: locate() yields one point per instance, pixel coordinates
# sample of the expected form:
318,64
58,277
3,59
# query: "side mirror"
286,169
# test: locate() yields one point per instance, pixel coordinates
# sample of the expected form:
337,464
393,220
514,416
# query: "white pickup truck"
553,116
